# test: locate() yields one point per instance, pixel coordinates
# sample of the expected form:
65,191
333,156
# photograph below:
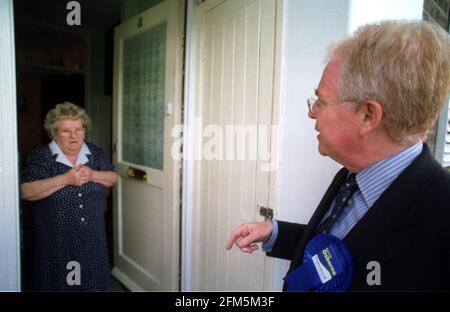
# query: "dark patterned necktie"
345,192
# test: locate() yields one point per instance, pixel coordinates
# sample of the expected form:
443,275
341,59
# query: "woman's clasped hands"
79,175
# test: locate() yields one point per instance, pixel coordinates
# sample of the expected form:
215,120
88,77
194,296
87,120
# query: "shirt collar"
375,179
61,157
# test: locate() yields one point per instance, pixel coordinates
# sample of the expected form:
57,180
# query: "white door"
147,104
235,103
9,180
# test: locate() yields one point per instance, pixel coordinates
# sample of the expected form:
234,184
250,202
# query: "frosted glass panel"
143,98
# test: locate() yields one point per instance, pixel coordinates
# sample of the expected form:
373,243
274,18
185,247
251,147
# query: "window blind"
446,159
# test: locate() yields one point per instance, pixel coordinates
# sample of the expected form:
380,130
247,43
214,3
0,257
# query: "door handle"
266,212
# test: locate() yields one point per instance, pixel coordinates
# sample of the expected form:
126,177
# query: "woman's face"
70,136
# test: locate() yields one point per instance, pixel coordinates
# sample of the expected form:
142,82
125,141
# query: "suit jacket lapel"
323,207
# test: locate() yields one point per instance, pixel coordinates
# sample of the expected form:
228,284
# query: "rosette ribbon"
327,266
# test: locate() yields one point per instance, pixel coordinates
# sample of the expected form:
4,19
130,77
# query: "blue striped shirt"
372,182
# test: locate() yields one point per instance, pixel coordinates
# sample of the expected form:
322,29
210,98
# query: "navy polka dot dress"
69,226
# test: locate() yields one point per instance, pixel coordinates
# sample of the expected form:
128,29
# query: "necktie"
345,192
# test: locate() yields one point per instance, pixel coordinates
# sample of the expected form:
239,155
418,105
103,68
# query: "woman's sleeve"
35,168
102,161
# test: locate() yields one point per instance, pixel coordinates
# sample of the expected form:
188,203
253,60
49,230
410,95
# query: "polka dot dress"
69,226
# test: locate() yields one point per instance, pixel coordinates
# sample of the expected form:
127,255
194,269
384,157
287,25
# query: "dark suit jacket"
407,231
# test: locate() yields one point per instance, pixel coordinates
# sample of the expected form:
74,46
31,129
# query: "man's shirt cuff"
268,245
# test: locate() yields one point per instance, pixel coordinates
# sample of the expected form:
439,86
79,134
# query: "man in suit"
380,93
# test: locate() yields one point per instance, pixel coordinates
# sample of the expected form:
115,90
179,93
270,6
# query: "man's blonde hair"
403,65
63,111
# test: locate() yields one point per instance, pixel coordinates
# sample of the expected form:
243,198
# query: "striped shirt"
372,182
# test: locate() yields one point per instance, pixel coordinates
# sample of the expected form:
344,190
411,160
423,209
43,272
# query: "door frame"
10,264
196,12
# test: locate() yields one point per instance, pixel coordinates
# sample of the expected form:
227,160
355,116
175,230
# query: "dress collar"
61,157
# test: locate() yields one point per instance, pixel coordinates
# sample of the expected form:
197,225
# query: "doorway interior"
56,62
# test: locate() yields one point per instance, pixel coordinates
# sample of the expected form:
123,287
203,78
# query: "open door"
147,105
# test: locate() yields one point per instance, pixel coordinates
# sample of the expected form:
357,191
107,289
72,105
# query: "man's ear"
370,114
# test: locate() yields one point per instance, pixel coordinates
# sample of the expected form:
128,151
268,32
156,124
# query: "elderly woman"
67,180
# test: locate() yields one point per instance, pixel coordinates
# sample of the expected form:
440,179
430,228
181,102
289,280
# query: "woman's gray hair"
63,111
405,66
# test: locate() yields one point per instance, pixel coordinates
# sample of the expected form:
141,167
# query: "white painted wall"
368,11
309,27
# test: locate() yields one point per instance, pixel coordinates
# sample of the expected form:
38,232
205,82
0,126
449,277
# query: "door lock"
266,212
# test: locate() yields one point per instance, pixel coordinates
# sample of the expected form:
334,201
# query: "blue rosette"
327,266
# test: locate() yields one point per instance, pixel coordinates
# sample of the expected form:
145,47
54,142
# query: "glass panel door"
143,98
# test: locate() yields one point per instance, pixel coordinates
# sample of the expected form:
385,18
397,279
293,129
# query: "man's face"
70,136
336,121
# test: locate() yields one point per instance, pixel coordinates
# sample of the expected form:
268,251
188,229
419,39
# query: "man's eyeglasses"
313,106
315,103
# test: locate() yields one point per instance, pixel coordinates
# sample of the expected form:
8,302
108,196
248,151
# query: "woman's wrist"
64,179
94,175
